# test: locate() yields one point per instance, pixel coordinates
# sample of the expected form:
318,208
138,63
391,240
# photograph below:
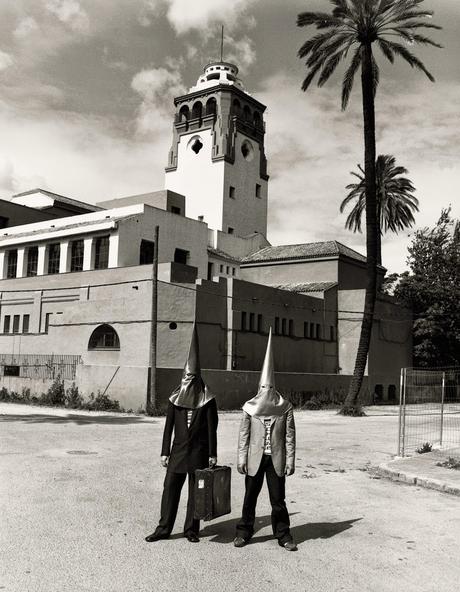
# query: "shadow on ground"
77,419
224,532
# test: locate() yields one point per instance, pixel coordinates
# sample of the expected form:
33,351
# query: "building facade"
76,279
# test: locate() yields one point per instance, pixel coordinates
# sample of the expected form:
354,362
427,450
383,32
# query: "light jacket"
251,442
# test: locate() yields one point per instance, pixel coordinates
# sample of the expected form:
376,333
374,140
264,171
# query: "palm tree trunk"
371,228
379,233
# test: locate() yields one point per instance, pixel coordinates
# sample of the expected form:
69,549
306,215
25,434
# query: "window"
230,230
291,328
76,257
146,252
243,321
233,271
231,192
258,189
259,323
318,331
331,333
251,321
277,325
25,323
283,326
6,324
3,222
104,337
47,321
210,270
11,371
228,269
12,264
221,269
392,392
101,259
306,332
175,210
181,256
32,261
16,320
54,257
378,393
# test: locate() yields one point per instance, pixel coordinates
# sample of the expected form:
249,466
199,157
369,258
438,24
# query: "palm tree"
355,27
395,199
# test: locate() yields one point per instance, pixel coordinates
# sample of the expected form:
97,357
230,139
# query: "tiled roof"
303,251
306,287
222,254
62,199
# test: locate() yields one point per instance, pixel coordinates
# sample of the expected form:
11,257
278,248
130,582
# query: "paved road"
80,491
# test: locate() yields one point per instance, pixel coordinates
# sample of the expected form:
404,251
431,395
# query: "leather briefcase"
212,493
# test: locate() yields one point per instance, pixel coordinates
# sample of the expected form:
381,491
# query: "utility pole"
152,394
222,44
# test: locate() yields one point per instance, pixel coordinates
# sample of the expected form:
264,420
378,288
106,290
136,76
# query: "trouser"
170,502
276,491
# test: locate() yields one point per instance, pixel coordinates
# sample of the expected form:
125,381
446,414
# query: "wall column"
113,250
64,257
3,259
42,260
22,262
88,255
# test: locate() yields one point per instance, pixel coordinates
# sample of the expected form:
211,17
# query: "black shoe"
289,545
156,537
239,542
192,538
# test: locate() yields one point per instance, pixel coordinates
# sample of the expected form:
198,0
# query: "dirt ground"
80,491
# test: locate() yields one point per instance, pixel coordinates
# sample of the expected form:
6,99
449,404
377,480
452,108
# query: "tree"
432,289
395,199
356,26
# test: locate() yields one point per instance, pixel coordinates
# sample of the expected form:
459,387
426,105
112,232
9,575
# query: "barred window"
76,258
6,324
16,319
25,323
12,265
101,260
104,337
54,257
32,261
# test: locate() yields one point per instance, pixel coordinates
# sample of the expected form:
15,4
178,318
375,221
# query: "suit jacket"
251,442
192,446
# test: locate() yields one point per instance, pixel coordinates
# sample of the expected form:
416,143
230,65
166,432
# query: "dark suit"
192,446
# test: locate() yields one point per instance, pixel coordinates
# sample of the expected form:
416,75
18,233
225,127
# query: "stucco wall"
288,273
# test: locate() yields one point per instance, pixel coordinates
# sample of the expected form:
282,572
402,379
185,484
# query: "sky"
86,106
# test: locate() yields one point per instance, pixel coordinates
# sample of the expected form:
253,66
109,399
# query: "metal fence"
429,409
39,366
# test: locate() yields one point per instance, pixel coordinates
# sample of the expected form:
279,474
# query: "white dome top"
218,73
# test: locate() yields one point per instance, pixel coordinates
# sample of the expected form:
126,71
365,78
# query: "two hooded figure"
192,413
266,447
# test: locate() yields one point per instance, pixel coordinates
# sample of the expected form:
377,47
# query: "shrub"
55,395
426,447
4,394
450,463
73,399
352,411
102,402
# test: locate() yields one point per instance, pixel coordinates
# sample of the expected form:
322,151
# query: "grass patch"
450,463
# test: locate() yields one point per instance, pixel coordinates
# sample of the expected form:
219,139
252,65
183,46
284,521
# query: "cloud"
71,13
241,52
5,60
157,87
25,26
185,15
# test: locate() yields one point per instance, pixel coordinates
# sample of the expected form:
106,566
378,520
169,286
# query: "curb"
395,474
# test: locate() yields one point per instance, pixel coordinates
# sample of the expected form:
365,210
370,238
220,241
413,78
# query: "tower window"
175,210
258,188
247,113
231,192
197,110
197,145
181,256
230,230
184,113
211,106
247,150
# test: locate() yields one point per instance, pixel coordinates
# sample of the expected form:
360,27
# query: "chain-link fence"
39,366
429,410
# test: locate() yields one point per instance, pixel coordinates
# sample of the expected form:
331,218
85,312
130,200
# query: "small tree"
432,289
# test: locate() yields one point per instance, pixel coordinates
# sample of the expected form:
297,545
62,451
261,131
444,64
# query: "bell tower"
217,159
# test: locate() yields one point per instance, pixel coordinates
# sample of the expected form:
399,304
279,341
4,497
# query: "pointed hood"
192,393
268,401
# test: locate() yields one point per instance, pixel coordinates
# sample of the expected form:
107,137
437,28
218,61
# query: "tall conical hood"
192,392
268,400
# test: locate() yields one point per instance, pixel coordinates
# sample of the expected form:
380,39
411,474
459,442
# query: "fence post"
400,410
443,391
403,428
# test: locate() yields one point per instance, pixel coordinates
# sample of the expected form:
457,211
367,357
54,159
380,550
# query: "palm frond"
409,57
349,78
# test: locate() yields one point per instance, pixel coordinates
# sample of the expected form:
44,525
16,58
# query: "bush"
55,395
315,400
426,447
4,394
450,463
352,411
73,399
102,402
